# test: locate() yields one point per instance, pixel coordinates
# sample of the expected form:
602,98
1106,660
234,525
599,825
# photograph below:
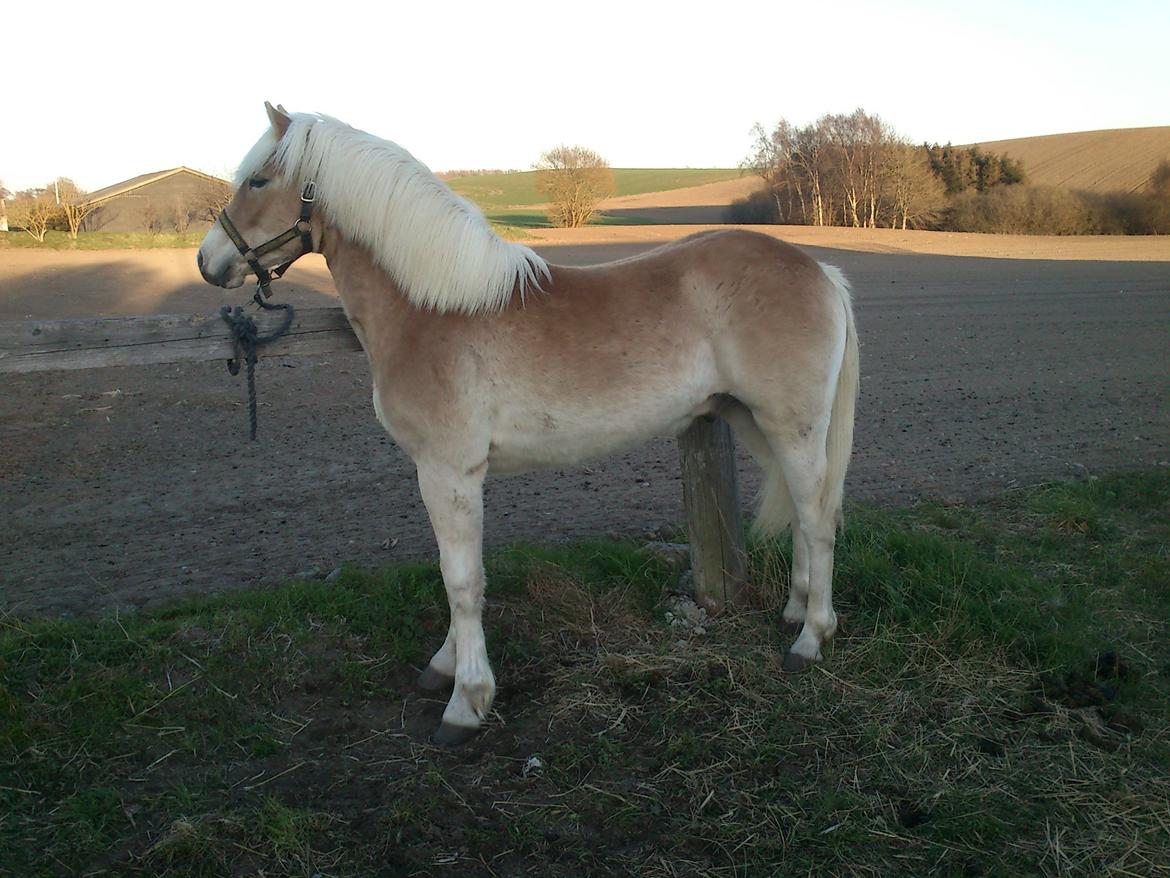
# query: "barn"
176,200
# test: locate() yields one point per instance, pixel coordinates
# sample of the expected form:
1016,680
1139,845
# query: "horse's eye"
257,183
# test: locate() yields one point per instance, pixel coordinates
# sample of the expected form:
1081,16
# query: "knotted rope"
246,338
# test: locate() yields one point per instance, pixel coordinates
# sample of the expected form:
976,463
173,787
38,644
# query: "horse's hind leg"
814,539
454,501
749,433
796,607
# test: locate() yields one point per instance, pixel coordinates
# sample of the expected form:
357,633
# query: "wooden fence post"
714,516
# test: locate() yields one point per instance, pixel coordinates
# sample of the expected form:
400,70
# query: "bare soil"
690,205
987,362
1112,160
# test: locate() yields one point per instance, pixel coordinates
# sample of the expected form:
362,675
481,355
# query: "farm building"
176,200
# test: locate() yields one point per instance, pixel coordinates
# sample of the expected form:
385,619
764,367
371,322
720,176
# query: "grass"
518,188
100,241
996,704
519,219
506,199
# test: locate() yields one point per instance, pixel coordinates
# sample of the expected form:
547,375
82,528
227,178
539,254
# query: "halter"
303,228
246,336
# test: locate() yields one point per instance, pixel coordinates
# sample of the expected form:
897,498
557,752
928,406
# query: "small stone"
334,575
532,767
313,572
677,555
684,587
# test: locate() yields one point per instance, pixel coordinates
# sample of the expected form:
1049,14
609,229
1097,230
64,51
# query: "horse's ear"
279,118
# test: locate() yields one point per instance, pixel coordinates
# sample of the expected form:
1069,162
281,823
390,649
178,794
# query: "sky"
101,92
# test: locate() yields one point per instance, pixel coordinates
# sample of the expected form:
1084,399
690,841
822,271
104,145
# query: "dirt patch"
129,486
692,205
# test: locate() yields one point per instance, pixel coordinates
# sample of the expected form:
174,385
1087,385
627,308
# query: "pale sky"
105,91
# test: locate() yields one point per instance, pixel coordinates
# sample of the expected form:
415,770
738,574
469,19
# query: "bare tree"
915,194
33,210
849,169
576,180
210,199
181,210
151,217
73,204
796,162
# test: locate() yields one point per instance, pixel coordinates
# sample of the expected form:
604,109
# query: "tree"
152,219
916,195
73,203
1159,183
575,180
33,210
210,199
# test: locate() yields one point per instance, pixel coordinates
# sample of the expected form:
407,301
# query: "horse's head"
267,223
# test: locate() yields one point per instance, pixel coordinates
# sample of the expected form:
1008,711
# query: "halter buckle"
309,192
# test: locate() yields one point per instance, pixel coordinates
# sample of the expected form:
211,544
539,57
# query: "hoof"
795,664
431,680
451,735
792,628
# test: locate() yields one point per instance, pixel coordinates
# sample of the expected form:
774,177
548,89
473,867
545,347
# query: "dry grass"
970,720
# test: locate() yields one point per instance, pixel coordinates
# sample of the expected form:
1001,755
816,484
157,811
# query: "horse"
485,357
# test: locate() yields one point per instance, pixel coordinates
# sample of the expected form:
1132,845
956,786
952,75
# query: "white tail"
776,512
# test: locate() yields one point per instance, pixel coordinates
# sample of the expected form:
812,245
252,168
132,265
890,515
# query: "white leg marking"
454,501
804,469
797,605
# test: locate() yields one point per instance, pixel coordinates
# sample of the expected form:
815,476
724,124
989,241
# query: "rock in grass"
677,555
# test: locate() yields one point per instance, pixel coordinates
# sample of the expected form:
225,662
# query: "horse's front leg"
454,500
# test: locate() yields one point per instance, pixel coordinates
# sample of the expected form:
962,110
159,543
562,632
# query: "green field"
519,218
997,704
506,199
100,240
518,188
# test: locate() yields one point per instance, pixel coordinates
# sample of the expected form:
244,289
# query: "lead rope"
246,338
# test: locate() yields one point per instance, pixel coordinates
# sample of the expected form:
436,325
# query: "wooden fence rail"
46,345
711,492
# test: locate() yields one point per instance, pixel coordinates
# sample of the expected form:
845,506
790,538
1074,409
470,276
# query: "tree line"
62,205
854,169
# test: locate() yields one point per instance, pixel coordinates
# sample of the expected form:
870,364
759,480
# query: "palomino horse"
484,357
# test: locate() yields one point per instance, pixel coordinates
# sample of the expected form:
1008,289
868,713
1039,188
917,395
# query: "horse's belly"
551,439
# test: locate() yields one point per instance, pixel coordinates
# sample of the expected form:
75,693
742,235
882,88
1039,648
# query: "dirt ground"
689,205
987,362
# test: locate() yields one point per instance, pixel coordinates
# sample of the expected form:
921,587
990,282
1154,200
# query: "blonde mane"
438,247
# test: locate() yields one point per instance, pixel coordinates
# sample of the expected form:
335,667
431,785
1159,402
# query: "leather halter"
302,229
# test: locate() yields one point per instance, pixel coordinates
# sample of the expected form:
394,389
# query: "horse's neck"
368,292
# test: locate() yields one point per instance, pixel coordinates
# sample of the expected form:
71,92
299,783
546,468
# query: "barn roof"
145,179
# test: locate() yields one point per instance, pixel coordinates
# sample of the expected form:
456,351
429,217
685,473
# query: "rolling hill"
1112,160
518,188
1095,161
